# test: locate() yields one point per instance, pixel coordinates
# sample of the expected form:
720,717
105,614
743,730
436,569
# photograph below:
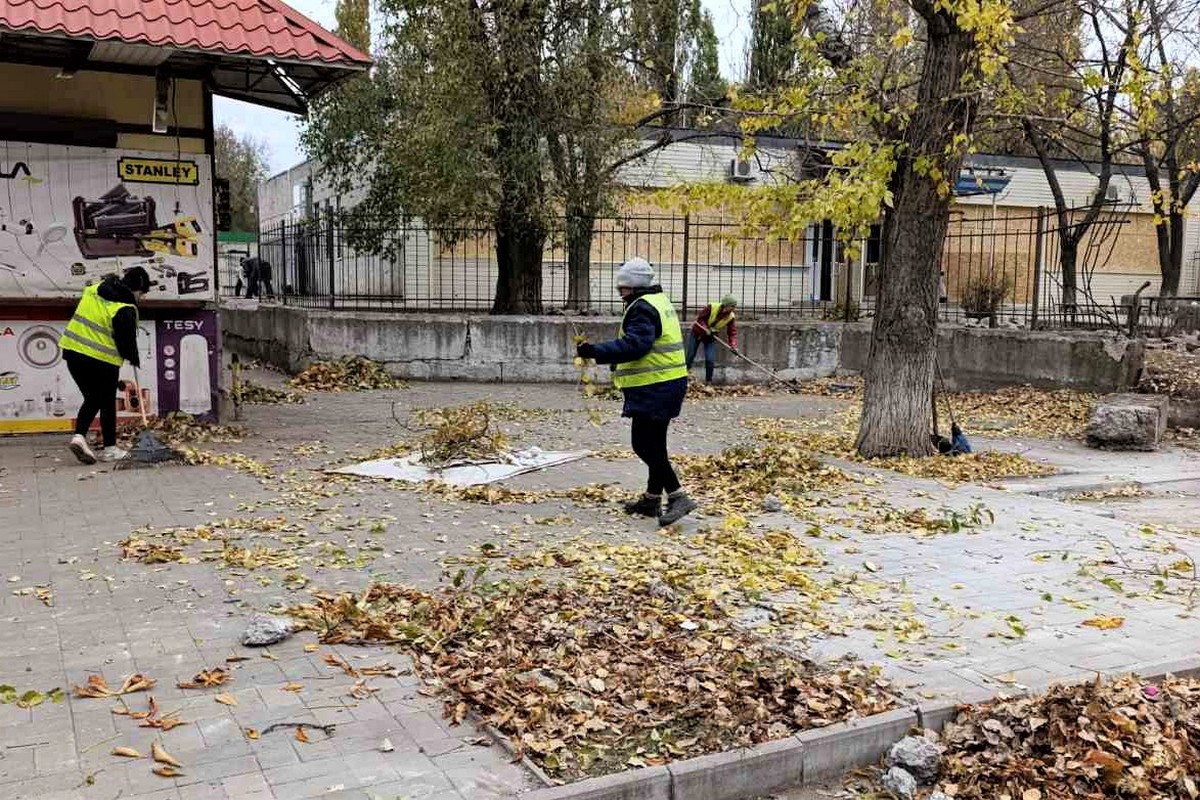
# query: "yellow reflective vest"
90,331
665,361
714,325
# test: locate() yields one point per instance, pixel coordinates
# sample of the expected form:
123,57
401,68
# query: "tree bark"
899,375
1068,258
1172,265
580,230
519,244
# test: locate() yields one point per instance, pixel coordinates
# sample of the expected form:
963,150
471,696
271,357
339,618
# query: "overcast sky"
280,133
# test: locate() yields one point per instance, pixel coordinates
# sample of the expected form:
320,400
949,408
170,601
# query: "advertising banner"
70,215
179,372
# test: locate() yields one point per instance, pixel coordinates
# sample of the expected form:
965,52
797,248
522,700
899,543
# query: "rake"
148,450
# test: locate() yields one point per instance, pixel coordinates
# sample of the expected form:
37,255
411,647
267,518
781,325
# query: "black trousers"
650,444
97,382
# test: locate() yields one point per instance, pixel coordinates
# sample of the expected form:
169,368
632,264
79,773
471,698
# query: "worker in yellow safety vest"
712,320
649,369
101,335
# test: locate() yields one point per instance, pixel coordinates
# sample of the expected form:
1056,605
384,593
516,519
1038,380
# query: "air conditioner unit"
743,170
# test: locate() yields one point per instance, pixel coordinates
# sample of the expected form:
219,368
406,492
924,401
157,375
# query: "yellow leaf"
226,699
167,772
311,648
252,734
126,752
1104,623
301,736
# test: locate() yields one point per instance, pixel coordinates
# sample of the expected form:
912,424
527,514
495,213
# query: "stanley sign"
153,170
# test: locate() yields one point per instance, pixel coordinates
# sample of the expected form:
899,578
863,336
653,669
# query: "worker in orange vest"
713,318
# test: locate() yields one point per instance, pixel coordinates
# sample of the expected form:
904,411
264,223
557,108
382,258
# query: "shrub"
984,295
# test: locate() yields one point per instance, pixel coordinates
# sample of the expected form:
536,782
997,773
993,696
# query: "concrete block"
1184,413
828,752
1128,422
736,774
652,783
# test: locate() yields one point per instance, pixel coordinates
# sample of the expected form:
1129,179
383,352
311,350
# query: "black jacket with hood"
125,321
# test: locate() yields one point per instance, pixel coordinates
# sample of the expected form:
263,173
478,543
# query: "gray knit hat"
636,273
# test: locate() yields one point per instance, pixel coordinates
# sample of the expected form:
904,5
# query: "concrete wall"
981,358
541,349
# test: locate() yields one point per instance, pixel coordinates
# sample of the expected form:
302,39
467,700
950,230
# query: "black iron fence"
998,267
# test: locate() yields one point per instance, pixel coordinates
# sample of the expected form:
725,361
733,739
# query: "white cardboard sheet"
407,468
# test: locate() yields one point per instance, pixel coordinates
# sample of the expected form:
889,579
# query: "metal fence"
1001,267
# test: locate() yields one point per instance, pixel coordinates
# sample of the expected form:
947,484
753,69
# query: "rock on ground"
920,757
264,630
1128,422
899,784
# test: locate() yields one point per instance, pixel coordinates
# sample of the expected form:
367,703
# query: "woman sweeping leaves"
102,335
649,369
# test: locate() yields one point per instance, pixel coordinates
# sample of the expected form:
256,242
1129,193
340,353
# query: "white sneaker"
79,447
113,453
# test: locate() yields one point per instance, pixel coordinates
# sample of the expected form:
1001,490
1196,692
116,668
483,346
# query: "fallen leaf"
301,736
1104,623
267,654
1031,794
206,679
292,687
167,772
311,648
334,661
159,754
226,699
252,734
30,699
126,752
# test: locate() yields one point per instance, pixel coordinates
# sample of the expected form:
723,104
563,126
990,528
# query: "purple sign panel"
188,362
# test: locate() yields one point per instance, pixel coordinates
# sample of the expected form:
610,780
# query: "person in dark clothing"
264,277
101,335
649,369
250,269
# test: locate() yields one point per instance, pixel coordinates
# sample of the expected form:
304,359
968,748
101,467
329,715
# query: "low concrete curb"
808,757
770,767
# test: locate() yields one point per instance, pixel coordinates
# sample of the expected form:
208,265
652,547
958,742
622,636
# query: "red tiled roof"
255,28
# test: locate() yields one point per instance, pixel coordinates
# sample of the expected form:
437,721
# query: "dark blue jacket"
642,328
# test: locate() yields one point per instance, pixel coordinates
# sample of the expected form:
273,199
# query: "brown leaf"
301,736
167,772
206,679
159,754
96,687
334,661
136,683
292,687
126,752
252,734
226,699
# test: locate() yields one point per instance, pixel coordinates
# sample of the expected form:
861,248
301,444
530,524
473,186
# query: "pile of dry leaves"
739,478
255,394
458,435
834,436
1171,372
353,374
592,678
180,428
1098,740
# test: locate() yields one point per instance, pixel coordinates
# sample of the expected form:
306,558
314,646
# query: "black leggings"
97,382
650,444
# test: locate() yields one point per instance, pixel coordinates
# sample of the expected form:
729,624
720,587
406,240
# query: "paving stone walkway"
60,524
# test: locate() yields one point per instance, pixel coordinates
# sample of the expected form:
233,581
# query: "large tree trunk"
580,230
1172,266
1068,258
899,376
520,214
519,244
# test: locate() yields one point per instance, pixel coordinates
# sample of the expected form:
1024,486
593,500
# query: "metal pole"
329,252
687,238
1037,266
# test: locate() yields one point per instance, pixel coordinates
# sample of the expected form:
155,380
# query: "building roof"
258,50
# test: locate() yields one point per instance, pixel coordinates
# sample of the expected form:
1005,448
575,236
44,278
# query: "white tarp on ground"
408,468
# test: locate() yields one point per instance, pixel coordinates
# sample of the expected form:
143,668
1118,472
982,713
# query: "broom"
148,450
